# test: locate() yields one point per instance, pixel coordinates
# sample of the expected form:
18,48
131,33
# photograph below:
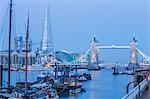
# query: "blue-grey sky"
74,22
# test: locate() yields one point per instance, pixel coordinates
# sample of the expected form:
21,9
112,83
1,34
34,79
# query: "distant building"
20,45
17,59
64,57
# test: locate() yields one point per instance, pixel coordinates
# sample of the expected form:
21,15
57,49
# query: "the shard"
47,42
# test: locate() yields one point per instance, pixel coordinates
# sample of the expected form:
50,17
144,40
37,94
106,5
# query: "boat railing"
135,92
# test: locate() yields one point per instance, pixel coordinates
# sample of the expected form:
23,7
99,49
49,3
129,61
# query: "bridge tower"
94,51
133,53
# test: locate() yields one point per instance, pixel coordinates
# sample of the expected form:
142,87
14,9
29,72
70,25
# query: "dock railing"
136,91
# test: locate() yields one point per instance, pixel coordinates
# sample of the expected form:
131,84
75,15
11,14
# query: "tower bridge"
95,48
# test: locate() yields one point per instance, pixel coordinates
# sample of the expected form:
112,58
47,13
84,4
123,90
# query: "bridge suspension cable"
84,55
145,56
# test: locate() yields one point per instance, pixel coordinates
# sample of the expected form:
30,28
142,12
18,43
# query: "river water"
104,85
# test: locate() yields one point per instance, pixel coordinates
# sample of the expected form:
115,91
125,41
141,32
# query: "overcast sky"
74,22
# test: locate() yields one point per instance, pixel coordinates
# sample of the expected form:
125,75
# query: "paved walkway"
146,94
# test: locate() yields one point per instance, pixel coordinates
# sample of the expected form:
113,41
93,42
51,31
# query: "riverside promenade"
146,94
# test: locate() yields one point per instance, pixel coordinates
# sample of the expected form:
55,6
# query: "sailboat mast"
9,43
27,37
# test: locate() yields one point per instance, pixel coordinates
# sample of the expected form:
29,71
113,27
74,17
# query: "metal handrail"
135,91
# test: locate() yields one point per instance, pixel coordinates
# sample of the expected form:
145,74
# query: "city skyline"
113,22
